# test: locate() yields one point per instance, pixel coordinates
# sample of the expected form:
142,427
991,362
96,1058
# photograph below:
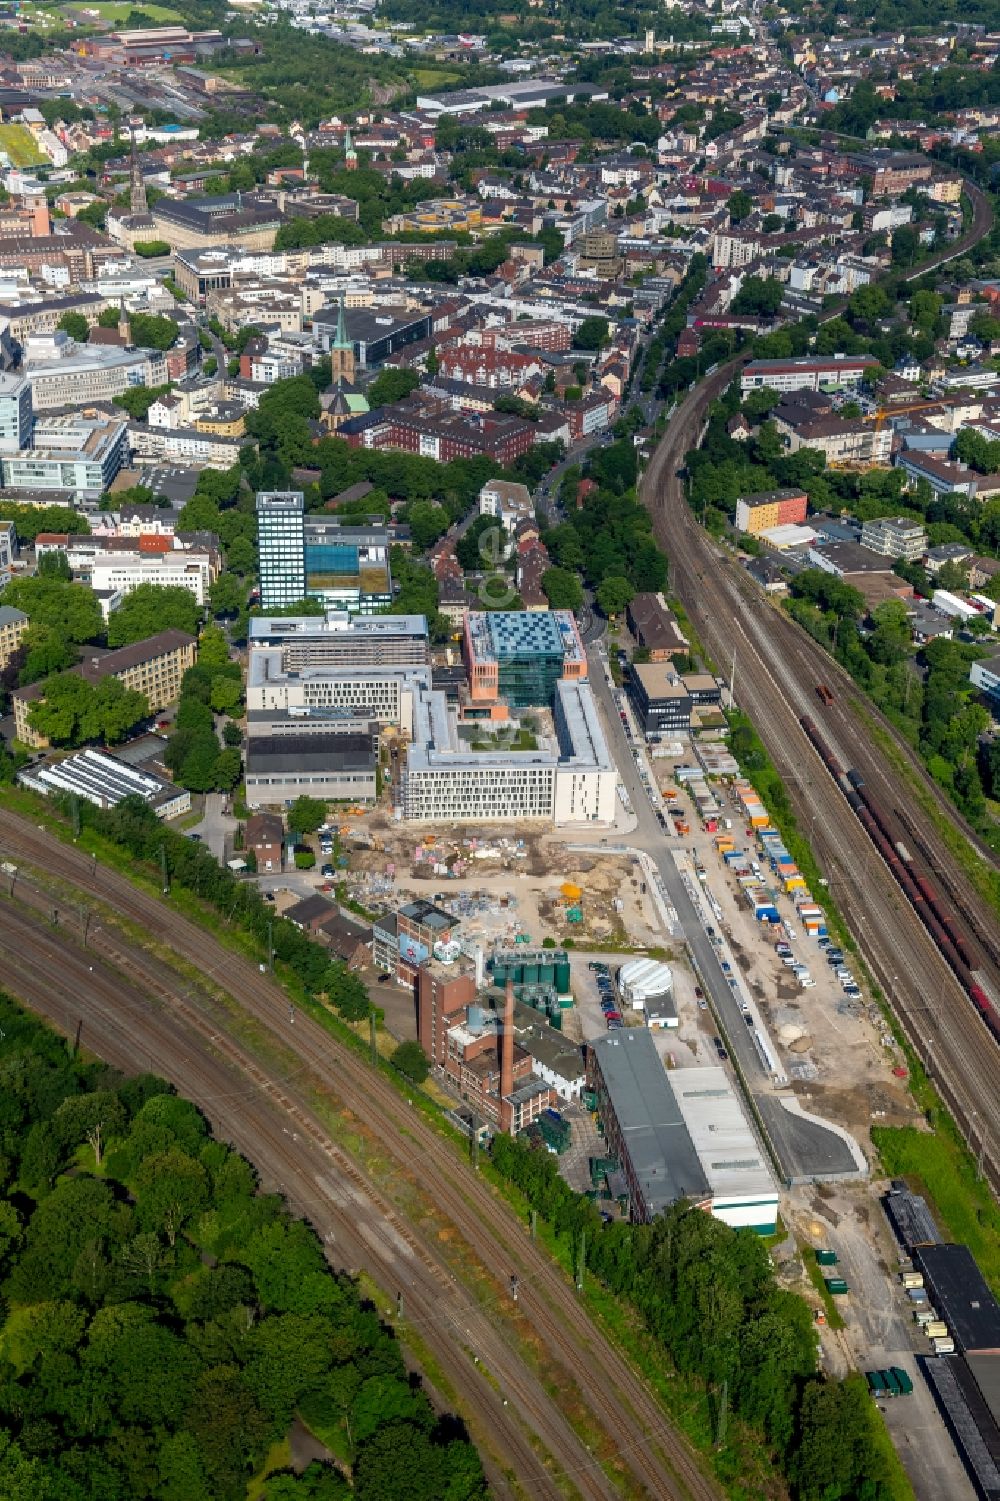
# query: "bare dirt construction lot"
504,882
836,1050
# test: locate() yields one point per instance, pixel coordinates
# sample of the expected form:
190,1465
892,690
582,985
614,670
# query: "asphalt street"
805,1148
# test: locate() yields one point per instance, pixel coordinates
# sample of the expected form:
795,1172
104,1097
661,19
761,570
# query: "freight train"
951,940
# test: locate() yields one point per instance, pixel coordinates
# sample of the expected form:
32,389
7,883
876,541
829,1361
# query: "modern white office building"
447,780
385,694
64,373
188,568
340,639
15,412
77,453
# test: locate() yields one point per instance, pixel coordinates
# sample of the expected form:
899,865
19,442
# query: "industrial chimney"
507,1044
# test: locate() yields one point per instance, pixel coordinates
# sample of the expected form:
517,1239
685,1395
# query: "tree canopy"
74,710
163,1322
150,608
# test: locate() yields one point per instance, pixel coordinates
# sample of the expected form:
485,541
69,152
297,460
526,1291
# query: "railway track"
636,1437
776,669
301,1161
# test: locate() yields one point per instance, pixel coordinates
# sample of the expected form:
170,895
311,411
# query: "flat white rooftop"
731,1157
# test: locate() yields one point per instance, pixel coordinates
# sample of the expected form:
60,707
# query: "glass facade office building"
280,529
343,564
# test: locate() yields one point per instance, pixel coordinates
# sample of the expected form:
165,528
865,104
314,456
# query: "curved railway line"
777,666
636,1437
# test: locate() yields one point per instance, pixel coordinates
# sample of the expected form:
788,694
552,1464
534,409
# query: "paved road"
806,1149
215,825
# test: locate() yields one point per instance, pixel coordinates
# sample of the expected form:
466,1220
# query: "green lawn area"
279,1457
19,145
939,1167
523,740
117,11
433,78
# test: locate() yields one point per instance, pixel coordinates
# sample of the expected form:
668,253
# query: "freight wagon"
947,933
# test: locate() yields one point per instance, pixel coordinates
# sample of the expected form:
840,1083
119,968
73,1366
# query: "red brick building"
475,1047
435,431
264,838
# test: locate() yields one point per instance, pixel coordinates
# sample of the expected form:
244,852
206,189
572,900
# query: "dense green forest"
575,18
609,537
709,1297
308,77
164,1322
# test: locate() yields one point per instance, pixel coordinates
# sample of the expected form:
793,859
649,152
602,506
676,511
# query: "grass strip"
816,1275
940,1166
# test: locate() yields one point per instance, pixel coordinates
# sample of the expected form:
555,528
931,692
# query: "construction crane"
899,411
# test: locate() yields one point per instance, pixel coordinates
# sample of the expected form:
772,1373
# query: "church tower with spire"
137,183
350,155
342,353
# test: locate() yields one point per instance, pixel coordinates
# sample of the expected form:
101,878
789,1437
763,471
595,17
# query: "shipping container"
913,1279
876,1383
936,1329
945,1346
903,1378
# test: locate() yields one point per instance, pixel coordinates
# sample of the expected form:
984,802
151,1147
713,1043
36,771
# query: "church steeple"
137,183
342,351
350,155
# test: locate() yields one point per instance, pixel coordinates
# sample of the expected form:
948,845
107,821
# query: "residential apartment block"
153,667
895,537
13,624
770,508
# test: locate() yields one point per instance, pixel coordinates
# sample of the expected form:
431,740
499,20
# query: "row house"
487,367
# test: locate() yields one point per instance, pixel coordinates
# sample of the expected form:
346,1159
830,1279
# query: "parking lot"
830,1040
880,1330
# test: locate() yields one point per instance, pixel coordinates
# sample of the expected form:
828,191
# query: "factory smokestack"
507,1044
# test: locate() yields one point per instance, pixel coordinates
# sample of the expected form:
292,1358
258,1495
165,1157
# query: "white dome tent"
639,979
